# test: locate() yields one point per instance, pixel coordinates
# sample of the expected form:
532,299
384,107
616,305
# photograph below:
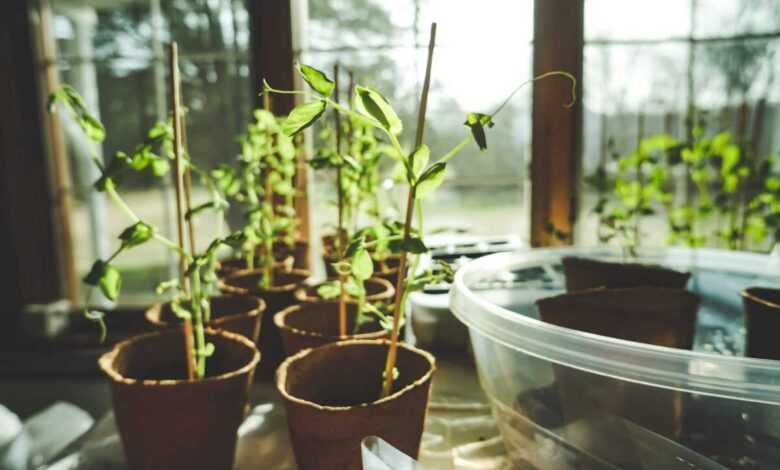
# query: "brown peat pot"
585,273
331,395
299,253
280,296
651,315
762,322
377,290
238,314
233,265
168,422
313,324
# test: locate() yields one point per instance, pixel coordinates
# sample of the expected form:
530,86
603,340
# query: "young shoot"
264,186
195,285
423,176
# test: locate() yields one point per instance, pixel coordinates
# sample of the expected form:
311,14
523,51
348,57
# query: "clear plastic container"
565,399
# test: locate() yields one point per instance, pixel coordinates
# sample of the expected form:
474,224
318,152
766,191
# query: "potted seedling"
638,192
165,384
263,187
358,180
386,390
317,320
762,304
267,165
628,300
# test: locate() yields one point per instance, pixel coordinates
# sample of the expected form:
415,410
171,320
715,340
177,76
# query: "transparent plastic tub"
565,399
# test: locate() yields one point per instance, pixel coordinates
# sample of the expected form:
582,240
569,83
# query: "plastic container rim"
695,372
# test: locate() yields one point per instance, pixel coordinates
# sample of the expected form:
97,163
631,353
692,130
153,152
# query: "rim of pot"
279,321
284,263
106,361
281,374
302,296
153,314
223,285
748,293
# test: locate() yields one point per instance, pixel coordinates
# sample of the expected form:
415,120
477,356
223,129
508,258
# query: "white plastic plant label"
379,455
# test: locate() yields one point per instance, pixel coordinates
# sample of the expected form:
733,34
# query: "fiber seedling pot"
238,314
762,322
168,422
377,290
313,324
233,265
280,296
585,273
331,397
299,252
652,315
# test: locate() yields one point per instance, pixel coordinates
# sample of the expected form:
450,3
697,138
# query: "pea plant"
732,200
422,176
639,191
196,283
263,186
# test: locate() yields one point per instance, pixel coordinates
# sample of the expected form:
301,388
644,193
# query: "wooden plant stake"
177,150
387,385
340,242
188,185
269,201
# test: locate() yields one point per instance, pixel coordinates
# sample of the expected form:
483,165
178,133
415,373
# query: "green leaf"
319,163
198,209
418,160
354,246
431,179
95,273
317,80
329,290
77,108
136,234
477,122
362,265
208,351
106,277
160,167
414,245
303,116
372,104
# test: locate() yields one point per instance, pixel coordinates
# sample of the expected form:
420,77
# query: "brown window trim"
557,131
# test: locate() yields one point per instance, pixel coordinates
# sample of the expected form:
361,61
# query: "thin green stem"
120,203
539,77
173,246
455,150
200,335
374,243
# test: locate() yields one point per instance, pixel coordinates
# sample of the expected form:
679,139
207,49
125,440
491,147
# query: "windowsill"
74,353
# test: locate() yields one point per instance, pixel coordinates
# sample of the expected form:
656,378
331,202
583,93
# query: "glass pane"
476,65
115,55
719,18
637,20
359,24
499,23
730,72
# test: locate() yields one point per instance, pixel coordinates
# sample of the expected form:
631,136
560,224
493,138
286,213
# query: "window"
478,61
646,64
115,55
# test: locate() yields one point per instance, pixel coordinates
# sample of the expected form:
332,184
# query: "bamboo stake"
387,385
269,200
340,230
355,212
188,185
177,150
